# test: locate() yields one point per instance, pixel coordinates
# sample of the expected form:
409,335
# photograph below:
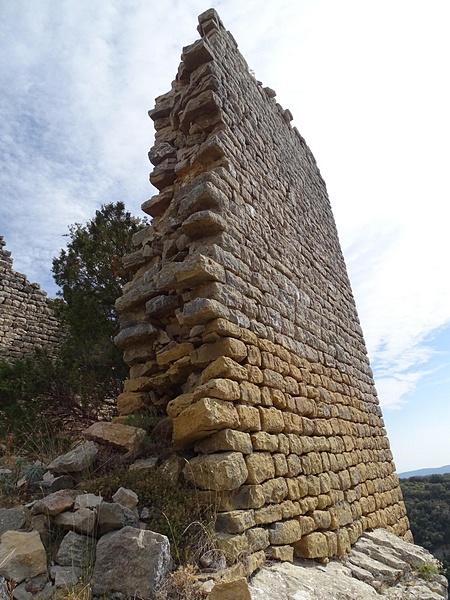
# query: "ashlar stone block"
202,418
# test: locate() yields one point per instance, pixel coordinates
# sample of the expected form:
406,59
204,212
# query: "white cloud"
366,84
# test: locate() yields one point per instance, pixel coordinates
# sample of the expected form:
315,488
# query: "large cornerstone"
240,326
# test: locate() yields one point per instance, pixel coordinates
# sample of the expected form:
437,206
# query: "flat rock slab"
122,437
361,577
55,503
76,461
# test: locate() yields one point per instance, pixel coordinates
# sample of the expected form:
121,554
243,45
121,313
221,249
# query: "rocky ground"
106,551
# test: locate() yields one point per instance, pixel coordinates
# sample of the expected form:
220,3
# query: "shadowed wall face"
27,321
240,322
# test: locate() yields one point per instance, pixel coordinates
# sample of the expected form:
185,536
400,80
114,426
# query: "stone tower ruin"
240,325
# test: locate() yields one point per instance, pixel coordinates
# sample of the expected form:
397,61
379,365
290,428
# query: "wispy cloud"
365,83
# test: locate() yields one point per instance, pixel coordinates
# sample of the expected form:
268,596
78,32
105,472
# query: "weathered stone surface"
77,460
144,562
202,418
81,521
122,437
126,497
286,532
76,550
65,577
87,501
22,555
12,519
225,440
113,516
218,472
231,590
55,503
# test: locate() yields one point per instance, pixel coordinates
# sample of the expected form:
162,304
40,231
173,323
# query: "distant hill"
425,472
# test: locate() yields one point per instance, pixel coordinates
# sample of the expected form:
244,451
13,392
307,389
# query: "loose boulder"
144,562
22,555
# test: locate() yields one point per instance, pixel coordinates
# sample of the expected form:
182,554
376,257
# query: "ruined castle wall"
240,324
27,321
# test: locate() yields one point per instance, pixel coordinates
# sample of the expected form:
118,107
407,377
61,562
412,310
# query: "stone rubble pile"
105,545
240,326
26,317
105,548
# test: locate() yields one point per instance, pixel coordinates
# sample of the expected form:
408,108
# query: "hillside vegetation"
427,500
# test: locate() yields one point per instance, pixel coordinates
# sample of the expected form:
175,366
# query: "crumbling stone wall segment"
27,321
240,323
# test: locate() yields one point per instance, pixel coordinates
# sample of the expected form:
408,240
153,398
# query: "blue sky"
367,85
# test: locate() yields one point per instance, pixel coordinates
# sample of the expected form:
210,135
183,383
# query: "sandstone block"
218,472
122,437
258,538
226,440
76,550
55,503
250,394
275,490
268,514
223,389
281,467
235,521
260,467
178,404
231,590
264,441
249,418
126,497
202,310
225,347
135,335
173,353
225,367
233,546
285,532
131,402
202,418
281,553
203,224
313,545
271,420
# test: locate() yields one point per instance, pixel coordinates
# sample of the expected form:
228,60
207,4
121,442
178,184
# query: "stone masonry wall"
26,318
240,323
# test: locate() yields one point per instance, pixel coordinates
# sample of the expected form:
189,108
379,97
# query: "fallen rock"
22,555
123,437
126,497
77,460
131,561
87,501
115,516
65,577
81,521
55,503
12,519
76,550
